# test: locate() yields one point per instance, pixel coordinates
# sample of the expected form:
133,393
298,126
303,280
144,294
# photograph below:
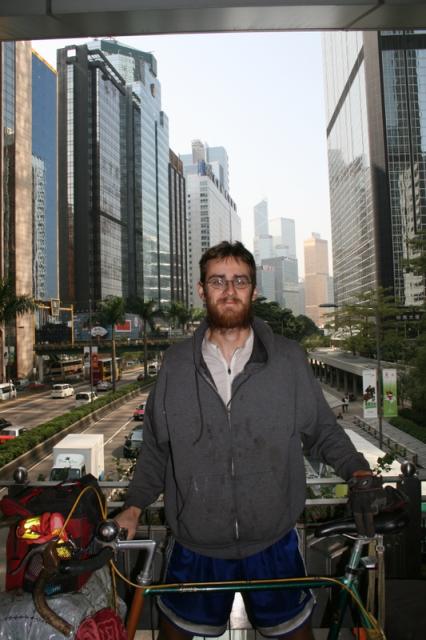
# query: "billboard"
369,393
390,402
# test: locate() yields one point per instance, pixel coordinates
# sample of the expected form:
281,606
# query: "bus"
64,368
102,369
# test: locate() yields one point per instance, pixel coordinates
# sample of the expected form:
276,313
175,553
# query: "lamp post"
378,368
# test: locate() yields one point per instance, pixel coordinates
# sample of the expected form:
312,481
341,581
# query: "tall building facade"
215,157
100,205
178,231
376,112
283,232
262,244
317,279
139,70
44,162
211,213
17,337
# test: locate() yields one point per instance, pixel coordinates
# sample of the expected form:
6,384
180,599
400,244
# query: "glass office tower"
139,70
100,220
44,145
375,98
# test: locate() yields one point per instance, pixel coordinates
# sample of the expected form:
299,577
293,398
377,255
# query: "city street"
32,409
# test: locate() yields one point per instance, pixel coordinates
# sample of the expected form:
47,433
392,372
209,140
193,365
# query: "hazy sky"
261,96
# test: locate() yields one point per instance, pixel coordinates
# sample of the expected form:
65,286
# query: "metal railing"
397,447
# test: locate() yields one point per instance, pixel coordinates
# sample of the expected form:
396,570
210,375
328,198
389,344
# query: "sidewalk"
355,409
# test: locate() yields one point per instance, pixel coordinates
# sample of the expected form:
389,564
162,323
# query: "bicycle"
110,541
385,523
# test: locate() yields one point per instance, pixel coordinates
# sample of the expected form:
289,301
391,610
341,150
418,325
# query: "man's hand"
366,498
128,519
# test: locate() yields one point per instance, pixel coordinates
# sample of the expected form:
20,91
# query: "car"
153,368
9,433
62,391
85,397
4,422
104,385
133,443
21,384
139,412
37,386
13,431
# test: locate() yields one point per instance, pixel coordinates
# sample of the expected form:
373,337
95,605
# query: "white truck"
78,454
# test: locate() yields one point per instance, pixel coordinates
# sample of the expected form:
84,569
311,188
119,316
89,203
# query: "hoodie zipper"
227,408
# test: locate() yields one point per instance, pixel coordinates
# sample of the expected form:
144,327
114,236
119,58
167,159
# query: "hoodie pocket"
261,505
208,515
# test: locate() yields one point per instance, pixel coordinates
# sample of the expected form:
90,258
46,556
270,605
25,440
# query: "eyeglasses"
219,282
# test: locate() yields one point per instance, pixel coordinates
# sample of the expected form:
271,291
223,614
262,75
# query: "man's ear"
254,295
201,291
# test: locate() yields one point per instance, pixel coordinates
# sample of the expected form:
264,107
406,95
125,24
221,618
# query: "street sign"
98,331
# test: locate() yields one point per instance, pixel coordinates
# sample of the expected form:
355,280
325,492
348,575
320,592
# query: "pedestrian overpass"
35,19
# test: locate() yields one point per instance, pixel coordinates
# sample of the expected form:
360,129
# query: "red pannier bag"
24,558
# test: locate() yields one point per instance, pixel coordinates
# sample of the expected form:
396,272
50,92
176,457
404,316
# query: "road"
114,426
31,409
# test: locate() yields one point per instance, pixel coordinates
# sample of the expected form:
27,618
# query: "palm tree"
146,310
177,312
11,305
111,311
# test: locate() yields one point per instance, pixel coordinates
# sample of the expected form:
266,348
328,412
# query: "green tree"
367,323
111,311
147,311
177,313
281,320
11,306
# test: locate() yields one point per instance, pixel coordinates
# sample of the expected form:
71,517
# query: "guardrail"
388,441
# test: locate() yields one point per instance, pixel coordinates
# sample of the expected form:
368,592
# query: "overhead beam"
34,19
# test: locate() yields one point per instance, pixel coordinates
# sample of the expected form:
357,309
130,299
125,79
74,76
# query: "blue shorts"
273,612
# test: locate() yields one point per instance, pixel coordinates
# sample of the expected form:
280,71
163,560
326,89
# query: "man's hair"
227,249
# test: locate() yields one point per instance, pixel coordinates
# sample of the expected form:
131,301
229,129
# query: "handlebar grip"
76,567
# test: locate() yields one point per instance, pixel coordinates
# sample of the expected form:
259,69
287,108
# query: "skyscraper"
283,231
100,204
178,231
262,244
139,70
376,112
317,278
17,338
44,145
215,157
211,212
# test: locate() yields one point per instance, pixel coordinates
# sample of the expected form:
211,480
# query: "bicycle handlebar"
109,536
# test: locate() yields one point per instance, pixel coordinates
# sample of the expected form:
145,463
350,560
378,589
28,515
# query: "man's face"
227,308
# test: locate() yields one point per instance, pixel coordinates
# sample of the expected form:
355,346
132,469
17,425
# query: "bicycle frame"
348,584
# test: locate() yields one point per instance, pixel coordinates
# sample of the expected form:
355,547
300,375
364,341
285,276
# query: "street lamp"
378,368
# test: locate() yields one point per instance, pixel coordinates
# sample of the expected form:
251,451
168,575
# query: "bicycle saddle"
384,523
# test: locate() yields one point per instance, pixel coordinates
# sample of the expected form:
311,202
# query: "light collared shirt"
222,373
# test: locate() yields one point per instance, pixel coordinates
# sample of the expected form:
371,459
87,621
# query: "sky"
259,95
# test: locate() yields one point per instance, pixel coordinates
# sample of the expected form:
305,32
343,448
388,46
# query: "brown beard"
238,318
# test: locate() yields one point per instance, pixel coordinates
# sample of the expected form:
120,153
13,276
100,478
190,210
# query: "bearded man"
225,427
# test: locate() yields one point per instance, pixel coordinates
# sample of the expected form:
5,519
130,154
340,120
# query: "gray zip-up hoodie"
233,476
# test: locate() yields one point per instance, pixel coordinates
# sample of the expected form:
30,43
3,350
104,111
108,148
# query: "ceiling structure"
35,19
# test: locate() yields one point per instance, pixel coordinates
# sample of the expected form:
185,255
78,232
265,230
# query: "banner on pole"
390,402
369,387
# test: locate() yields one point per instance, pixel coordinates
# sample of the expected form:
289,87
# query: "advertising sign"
369,393
124,326
390,402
